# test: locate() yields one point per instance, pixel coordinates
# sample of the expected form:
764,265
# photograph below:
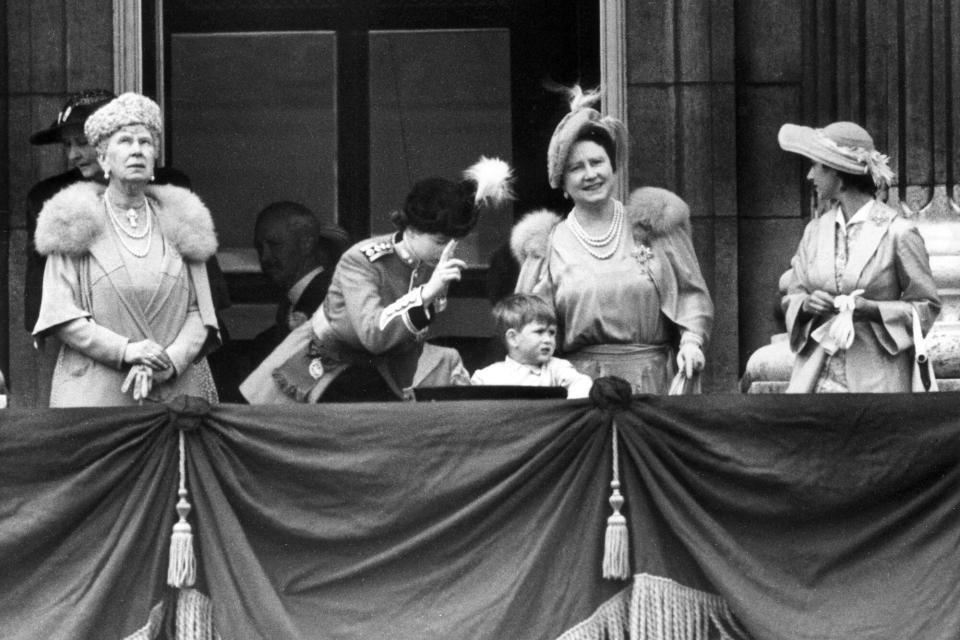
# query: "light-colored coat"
86,277
889,262
659,221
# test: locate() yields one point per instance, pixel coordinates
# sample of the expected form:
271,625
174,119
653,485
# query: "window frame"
139,24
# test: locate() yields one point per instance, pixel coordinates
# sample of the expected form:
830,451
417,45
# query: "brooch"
316,368
642,254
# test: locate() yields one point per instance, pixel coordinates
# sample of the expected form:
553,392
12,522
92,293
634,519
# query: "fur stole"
74,219
650,211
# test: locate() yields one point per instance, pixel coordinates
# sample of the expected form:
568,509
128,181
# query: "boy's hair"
518,310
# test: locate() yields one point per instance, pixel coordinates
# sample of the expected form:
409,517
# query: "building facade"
354,99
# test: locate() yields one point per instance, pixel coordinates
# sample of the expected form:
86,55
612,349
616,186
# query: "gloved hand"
139,381
690,358
842,328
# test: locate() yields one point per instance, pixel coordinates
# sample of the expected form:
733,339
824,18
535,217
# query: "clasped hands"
150,365
840,328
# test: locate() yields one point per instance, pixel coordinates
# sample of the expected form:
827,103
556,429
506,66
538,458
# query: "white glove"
841,329
690,358
139,381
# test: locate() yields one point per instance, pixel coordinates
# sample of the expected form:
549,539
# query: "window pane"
253,121
438,101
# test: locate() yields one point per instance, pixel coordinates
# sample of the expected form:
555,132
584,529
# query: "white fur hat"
125,109
581,116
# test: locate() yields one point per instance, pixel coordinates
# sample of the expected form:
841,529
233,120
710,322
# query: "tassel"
182,567
616,544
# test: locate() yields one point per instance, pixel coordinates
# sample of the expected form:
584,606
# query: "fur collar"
530,237
657,211
74,219
651,211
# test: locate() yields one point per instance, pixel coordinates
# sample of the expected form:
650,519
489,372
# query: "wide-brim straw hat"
582,115
844,146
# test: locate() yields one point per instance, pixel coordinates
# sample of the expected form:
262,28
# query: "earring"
566,196
152,178
106,174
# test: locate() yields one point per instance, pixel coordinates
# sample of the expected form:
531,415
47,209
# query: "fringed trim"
656,608
151,630
182,566
661,609
194,616
608,622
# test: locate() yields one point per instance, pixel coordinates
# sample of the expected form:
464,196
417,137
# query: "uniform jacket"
372,316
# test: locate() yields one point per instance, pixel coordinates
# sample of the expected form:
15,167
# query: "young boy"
528,327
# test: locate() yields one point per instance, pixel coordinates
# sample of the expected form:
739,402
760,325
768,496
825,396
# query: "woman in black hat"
365,342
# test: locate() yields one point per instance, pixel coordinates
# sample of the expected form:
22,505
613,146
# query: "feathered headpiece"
582,116
438,205
493,179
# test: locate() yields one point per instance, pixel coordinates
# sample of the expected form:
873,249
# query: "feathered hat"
75,112
125,109
844,146
438,205
582,116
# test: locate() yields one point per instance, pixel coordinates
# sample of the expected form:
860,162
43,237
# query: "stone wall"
55,48
682,123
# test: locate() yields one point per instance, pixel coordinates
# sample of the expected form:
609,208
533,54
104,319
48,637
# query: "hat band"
871,160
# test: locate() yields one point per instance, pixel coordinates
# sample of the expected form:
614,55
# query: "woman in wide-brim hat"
624,279
125,288
860,273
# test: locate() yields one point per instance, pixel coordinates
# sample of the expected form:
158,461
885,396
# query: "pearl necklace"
147,232
131,217
590,243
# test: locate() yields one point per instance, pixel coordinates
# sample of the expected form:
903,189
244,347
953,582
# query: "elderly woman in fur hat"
860,279
366,342
624,279
125,288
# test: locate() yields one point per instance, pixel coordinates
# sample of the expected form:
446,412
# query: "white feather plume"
580,99
494,180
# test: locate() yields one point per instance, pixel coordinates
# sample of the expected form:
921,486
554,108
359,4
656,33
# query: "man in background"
298,254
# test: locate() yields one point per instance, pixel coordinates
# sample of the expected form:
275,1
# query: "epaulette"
376,250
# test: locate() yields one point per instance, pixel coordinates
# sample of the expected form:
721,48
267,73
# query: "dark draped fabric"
809,516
